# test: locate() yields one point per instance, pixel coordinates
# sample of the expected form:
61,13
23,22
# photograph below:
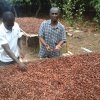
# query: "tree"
70,8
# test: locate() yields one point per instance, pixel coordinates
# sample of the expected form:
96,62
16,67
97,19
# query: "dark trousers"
7,63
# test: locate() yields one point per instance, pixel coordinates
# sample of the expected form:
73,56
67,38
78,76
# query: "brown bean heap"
64,78
30,24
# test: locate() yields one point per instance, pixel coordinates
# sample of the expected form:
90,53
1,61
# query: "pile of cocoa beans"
64,78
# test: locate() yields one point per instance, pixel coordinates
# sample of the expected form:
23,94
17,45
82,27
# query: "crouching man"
10,41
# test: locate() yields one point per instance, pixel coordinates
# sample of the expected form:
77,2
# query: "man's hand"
58,47
48,48
22,66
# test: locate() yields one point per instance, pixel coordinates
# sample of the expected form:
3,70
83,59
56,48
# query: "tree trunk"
39,2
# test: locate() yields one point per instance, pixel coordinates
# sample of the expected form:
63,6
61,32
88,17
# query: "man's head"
8,20
54,14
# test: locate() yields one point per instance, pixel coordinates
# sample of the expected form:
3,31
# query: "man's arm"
10,53
61,42
42,34
59,45
64,40
44,43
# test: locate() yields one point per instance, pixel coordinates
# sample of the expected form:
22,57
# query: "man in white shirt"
10,41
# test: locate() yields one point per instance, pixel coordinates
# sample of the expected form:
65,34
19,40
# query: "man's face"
9,24
54,14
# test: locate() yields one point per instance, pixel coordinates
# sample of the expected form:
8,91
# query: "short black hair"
8,16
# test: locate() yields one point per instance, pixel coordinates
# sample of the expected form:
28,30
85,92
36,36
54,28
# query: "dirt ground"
81,39
78,42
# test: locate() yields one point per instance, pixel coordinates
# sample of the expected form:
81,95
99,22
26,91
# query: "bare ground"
78,42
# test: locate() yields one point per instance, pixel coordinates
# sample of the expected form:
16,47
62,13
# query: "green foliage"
96,5
74,9
71,9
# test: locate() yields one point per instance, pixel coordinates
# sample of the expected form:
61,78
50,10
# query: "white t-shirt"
10,37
